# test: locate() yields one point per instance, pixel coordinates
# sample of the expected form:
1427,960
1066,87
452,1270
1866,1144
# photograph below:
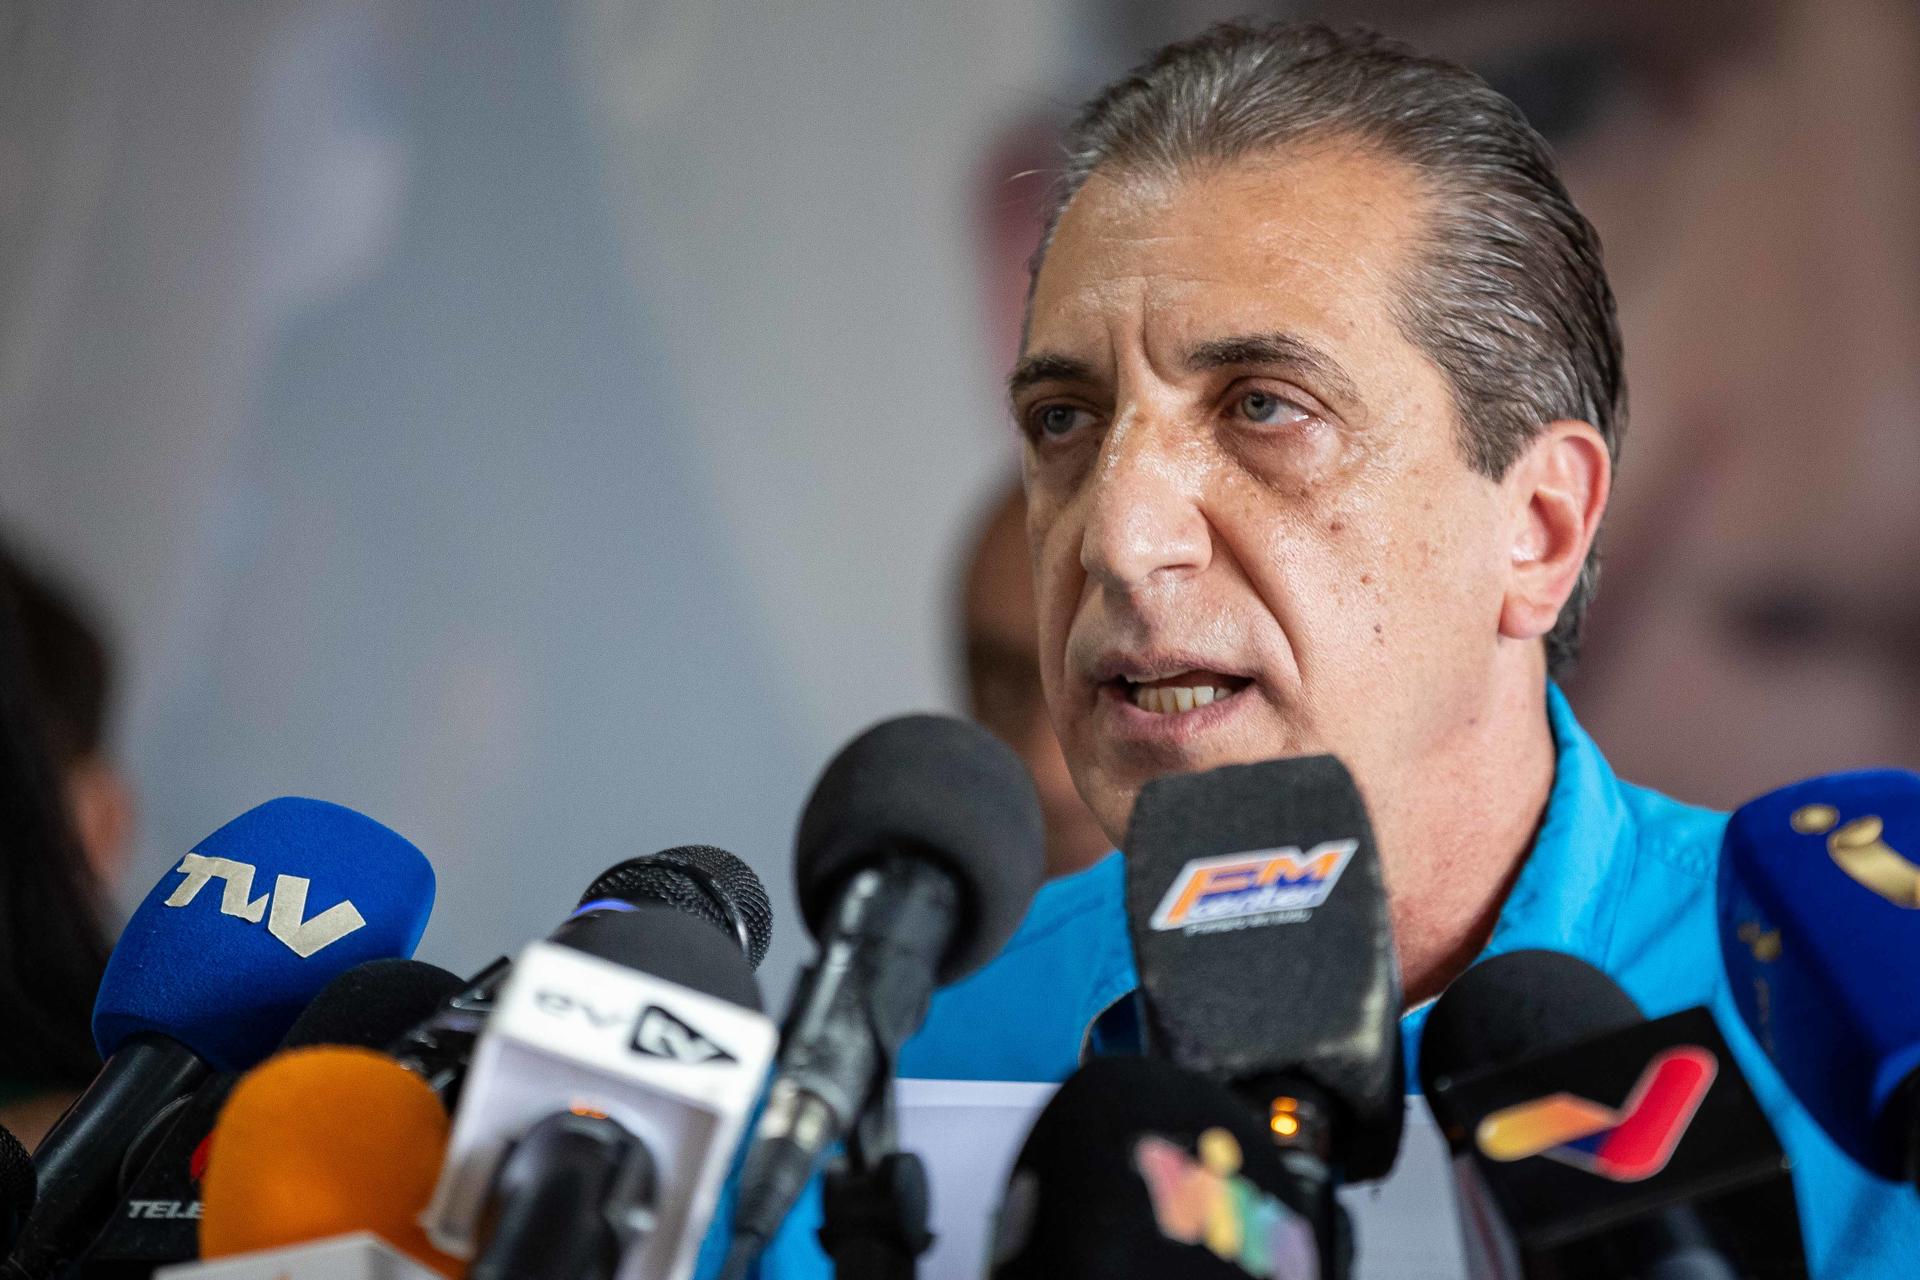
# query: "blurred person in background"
52,944
70,674
1000,637
1752,169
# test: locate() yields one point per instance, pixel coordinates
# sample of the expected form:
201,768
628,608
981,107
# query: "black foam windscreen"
1515,1006
937,788
18,1187
372,1004
670,944
1661,1162
1260,927
1139,1168
700,880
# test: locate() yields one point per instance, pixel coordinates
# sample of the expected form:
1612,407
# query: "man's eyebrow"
1283,349
1047,368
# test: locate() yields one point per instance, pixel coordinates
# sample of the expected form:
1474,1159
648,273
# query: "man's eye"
1266,407
1052,421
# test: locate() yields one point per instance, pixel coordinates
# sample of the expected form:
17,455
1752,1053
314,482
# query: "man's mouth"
1181,691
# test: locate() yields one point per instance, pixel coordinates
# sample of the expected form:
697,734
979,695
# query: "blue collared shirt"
1619,876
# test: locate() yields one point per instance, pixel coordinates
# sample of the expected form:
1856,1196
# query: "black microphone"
157,1219
547,1218
695,880
371,1003
1590,1142
1259,924
917,856
1141,1170
17,1187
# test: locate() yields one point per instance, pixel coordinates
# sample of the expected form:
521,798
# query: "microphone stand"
876,1203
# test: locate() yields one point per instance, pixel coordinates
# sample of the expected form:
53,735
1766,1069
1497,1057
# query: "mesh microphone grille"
699,880
673,945
18,1187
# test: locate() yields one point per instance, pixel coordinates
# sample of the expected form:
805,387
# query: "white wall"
544,428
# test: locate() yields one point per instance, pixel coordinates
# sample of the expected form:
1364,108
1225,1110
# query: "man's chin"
1123,768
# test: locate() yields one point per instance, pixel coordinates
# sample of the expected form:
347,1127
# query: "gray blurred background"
552,427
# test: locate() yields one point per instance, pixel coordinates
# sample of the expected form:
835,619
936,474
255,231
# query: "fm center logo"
1258,887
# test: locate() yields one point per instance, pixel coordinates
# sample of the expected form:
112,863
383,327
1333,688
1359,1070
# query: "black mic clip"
876,1200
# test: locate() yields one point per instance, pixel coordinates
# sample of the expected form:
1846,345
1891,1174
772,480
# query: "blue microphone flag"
1820,933
242,932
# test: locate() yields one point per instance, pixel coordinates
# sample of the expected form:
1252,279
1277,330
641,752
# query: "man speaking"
1322,389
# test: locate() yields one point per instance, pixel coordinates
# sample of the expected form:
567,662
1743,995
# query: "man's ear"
1558,489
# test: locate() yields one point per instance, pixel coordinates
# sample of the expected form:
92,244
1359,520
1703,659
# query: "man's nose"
1144,521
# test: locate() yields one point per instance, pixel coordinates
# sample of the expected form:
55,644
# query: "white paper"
360,1255
969,1131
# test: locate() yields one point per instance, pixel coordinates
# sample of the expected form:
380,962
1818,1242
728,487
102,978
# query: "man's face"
1254,531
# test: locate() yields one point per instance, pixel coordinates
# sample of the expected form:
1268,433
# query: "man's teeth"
1167,699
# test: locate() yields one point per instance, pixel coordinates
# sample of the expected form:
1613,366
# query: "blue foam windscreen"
242,932
1820,933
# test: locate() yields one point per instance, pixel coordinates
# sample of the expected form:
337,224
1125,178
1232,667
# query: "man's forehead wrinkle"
1112,301
1309,244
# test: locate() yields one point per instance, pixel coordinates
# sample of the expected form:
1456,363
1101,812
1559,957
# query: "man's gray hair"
1507,295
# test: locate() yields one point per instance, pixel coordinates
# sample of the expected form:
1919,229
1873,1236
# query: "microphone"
545,1216
1590,1142
322,1141
1820,931
1260,928
17,1189
207,976
917,856
370,1004
157,1219
1141,1169
694,879
697,880
547,1211
604,1102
